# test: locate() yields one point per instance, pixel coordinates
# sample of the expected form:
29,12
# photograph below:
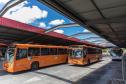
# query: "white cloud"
25,14
85,30
59,31
42,24
4,1
44,13
56,22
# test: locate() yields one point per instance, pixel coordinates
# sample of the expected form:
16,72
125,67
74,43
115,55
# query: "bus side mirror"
29,57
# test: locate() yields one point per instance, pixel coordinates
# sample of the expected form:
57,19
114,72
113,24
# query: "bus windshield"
77,53
116,52
10,54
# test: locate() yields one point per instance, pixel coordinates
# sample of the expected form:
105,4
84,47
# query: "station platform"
103,72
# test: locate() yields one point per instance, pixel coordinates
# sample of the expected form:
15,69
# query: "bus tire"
34,66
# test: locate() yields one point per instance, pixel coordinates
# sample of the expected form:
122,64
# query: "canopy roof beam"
106,21
99,41
100,12
91,38
9,5
62,26
80,34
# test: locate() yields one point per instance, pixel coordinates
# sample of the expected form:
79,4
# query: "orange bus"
81,54
21,57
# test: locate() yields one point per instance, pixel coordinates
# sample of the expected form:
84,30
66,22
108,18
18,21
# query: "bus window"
10,54
53,51
21,53
77,53
92,51
65,51
62,51
33,51
44,51
99,51
70,52
116,52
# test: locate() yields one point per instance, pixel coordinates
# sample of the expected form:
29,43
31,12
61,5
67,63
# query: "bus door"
84,54
91,54
99,54
21,60
95,54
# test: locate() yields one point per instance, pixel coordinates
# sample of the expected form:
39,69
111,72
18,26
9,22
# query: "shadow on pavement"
2,72
86,65
27,71
96,75
91,78
53,76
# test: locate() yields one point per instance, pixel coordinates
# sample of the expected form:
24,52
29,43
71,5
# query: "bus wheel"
34,66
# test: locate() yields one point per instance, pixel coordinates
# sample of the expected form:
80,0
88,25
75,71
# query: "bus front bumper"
8,67
116,58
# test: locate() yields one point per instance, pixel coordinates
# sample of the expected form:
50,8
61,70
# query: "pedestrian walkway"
109,74
103,72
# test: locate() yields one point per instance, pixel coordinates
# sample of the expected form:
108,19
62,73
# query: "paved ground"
97,73
0,64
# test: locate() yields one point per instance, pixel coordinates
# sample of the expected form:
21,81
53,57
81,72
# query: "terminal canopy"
105,18
39,14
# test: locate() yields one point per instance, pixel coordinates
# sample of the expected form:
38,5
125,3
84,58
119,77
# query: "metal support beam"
96,39
79,34
9,5
99,41
29,39
104,43
64,9
62,26
100,12
107,21
90,38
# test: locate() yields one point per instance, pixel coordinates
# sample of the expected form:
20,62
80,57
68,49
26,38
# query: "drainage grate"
117,81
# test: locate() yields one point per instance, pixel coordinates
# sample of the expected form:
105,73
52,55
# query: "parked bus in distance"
116,53
21,57
81,54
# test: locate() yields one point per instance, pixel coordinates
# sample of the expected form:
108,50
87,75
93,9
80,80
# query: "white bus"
116,53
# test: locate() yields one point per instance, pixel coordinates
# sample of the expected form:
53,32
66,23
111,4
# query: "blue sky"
34,13
51,15
1,6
